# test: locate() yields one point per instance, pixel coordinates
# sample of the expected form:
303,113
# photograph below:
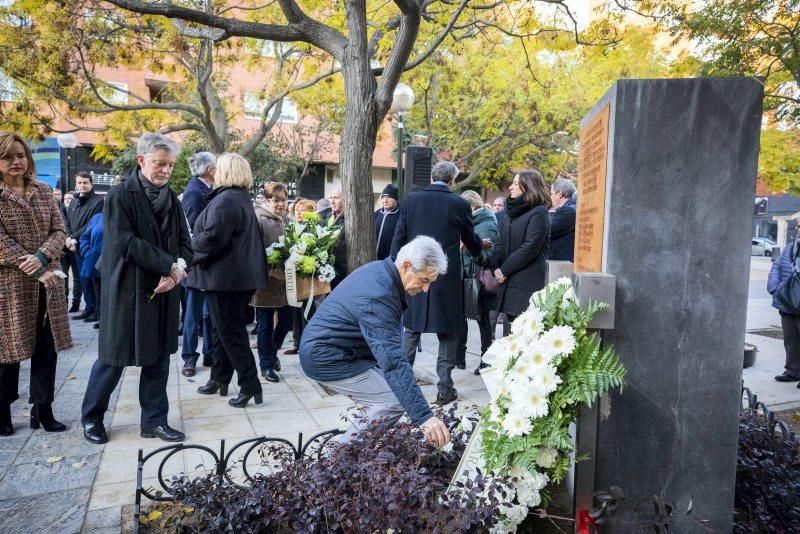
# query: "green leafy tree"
779,160
372,43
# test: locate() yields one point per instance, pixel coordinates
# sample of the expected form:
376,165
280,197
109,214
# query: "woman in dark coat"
34,313
782,270
230,264
521,259
272,300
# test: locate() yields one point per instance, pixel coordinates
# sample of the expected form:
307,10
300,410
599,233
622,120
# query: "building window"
8,89
112,96
254,108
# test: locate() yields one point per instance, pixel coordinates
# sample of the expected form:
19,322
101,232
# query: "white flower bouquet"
306,247
546,370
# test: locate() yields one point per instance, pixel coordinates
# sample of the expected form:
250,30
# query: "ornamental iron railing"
269,451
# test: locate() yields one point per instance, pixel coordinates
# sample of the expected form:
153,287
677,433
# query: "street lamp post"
68,142
402,101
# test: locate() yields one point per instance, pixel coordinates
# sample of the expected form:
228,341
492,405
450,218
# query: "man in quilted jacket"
353,343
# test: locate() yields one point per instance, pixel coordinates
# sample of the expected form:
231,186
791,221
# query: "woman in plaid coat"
33,312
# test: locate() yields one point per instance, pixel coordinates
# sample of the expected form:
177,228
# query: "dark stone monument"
674,227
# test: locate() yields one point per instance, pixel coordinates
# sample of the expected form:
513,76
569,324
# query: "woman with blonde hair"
34,311
230,266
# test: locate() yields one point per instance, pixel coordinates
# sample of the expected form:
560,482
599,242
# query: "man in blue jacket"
353,343
203,166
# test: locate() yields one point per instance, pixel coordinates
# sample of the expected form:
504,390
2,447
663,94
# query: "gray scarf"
159,197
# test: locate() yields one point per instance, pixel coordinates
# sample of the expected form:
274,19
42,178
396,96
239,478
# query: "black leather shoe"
6,428
442,400
242,399
163,432
482,366
96,326
212,387
189,369
270,376
75,308
787,377
83,315
93,318
461,366
42,415
207,361
95,433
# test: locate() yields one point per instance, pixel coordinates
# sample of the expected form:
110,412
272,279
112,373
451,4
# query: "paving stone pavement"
92,488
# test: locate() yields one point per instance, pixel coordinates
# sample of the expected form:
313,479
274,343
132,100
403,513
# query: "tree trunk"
358,142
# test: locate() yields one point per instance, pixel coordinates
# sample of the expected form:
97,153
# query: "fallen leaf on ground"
155,514
54,459
78,465
70,377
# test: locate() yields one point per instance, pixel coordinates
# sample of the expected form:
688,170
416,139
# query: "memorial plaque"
589,223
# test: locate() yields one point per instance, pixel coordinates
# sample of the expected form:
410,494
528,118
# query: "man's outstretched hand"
435,432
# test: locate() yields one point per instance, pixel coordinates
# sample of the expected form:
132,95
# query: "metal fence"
751,404
224,460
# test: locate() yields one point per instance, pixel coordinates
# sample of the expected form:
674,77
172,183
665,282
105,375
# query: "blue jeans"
196,317
87,287
270,337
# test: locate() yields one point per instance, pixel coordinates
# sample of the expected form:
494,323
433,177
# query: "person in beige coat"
32,306
271,301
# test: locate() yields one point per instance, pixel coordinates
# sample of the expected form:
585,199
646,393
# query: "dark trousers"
271,335
87,286
69,262
791,342
229,340
485,326
299,321
197,320
43,363
445,360
104,378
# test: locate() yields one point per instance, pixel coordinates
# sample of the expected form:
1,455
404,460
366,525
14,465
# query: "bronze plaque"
591,213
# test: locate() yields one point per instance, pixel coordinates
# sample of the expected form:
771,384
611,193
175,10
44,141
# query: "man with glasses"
202,167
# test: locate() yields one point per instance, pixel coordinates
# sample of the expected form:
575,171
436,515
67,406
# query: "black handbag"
471,292
788,295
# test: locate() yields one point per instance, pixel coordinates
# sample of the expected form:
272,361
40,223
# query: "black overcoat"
562,232
441,214
228,249
136,329
522,258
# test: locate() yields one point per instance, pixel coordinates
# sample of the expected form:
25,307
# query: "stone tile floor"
92,488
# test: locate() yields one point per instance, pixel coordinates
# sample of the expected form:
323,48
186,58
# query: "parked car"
762,246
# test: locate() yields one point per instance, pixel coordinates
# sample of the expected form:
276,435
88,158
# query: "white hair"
424,254
200,162
151,142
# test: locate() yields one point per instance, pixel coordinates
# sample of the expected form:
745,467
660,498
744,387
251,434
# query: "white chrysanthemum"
546,457
539,480
528,325
326,274
516,424
522,370
537,355
529,400
528,496
559,340
546,379
515,514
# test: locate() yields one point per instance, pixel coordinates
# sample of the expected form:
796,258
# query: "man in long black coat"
439,213
386,222
146,245
86,205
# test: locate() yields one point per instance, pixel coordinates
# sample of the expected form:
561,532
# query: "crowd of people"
151,265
